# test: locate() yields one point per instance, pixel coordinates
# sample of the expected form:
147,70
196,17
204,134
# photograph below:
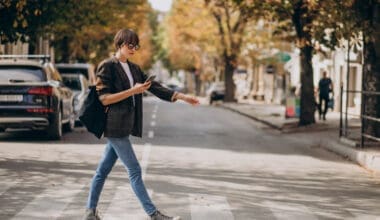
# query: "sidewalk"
323,133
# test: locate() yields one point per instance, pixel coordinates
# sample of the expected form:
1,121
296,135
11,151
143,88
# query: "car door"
65,93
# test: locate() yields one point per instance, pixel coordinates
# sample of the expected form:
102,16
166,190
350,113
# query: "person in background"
325,86
120,84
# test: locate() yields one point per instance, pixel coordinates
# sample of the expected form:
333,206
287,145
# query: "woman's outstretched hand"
188,98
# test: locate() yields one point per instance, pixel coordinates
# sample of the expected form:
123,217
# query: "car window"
72,82
72,70
21,74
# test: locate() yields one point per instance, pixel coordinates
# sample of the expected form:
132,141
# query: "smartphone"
150,78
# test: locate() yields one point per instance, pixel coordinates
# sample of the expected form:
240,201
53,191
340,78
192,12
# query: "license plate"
11,98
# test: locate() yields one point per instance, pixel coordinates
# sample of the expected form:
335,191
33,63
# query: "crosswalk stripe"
209,207
145,159
290,211
125,205
50,203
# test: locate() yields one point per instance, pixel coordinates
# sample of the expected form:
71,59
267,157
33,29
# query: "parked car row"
79,84
35,95
216,92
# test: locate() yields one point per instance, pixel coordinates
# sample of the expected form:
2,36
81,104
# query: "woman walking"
120,84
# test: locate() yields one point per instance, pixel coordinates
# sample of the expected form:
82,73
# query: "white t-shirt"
129,75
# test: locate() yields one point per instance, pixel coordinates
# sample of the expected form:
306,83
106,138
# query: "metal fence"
355,129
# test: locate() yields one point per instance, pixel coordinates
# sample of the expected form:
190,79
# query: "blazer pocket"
120,119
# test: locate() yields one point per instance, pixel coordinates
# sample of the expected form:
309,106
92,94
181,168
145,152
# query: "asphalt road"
202,163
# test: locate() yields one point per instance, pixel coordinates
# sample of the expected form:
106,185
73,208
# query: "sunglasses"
132,46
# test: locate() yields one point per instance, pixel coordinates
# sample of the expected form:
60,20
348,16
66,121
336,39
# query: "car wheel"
71,124
55,129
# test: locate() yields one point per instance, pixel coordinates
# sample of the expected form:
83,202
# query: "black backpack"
93,114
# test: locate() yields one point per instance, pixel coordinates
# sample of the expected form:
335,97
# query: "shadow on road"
78,136
328,196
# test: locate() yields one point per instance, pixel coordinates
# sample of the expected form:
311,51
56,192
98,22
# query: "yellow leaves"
191,34
5,4
303,42
93,55
21,4
37,12
24,23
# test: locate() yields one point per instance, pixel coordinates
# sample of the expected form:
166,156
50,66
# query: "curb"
367,160
349,142
344,147
287,127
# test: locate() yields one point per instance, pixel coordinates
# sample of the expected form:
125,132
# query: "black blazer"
123,118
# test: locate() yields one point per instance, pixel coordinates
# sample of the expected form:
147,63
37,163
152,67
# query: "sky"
161,5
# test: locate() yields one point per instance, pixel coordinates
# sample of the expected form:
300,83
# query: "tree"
190,34
191,43
231,18
79,30
24,20
358,23
303,17
310,21
85,32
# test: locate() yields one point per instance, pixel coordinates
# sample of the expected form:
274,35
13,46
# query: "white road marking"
209,207
152,123
50,203
282,210
125,205
150,134
153,116
145,159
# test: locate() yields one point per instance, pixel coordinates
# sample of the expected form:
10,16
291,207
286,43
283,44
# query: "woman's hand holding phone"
141,87
150,78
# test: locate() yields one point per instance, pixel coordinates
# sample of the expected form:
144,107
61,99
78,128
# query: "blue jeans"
120,148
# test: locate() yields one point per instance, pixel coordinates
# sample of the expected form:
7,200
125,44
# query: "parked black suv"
33,96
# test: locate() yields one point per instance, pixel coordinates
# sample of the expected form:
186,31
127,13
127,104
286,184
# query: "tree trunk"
302,19
32,44
307,87
197,83
228,80
63,47
371,75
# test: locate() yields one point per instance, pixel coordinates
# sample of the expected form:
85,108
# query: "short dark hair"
125,36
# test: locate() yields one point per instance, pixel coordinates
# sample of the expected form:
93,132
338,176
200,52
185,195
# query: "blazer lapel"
122,74
136,78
